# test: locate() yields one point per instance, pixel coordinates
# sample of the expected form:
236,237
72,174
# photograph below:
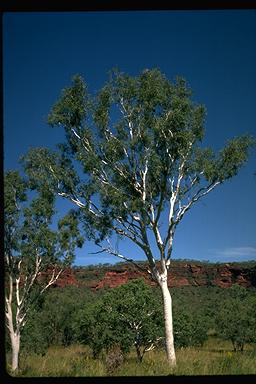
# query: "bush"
34,336
189,328
128,315
51,322
237,317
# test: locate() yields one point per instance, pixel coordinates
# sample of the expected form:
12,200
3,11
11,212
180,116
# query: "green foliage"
56,316
14,194
71,108
128,316
52,323
233,156
34,336
190,318
69,234
115,318
14,187
28,231
236,320
132,122
189,329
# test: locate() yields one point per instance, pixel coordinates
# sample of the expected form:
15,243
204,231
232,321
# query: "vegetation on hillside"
94,333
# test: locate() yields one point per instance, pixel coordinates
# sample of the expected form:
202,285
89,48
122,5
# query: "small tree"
31,247
138,147
127,316
236,320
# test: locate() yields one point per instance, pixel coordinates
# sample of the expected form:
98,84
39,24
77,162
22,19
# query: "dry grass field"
215,357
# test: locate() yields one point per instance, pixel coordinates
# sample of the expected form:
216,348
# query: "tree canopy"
133,157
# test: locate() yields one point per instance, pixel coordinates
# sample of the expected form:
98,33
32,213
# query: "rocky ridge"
180,274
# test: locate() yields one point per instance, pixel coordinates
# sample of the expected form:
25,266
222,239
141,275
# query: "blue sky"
213,50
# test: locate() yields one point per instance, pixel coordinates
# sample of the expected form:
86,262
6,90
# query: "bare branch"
128,232
52,280
111,251
17,284
202,192
144,175
75,133
126,116
132,237
73,199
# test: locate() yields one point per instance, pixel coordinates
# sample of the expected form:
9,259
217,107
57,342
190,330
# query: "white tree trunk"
14,334
15,342
168,322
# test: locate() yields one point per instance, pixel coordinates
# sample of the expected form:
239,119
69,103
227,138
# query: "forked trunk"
168,322
15,342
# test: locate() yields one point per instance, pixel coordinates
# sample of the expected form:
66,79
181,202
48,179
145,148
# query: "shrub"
237,317
189,329
128,315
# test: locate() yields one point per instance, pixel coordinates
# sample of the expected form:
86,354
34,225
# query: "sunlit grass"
59,361
215,357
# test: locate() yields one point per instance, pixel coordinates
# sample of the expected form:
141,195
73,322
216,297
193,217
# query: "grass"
215,357
59,361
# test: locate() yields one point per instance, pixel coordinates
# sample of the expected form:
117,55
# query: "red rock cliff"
188,274
180,275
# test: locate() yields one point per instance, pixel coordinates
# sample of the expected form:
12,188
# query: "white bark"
14,334
144,175
15,343
168,320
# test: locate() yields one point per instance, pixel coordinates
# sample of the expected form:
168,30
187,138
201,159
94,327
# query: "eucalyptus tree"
31,247
133,165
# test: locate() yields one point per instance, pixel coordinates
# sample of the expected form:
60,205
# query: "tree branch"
202,192
131,237
111,251
52,280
